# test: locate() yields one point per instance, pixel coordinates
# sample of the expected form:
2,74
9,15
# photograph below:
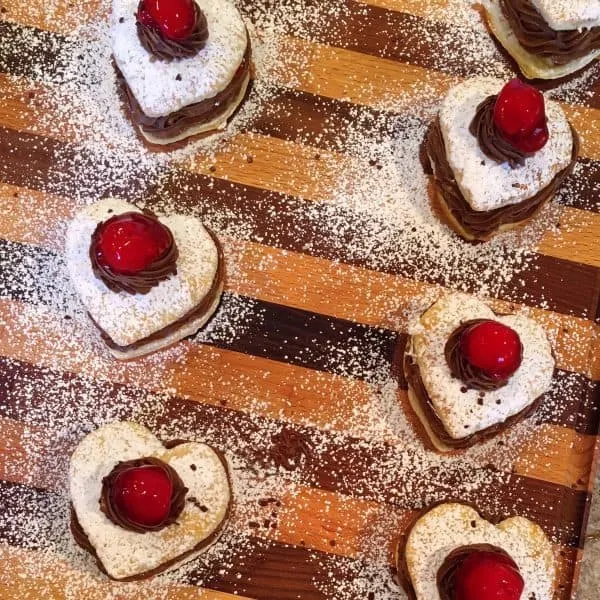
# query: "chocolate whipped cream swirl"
538,38
490,140
142,281
110,509
472,376
447,572
166,49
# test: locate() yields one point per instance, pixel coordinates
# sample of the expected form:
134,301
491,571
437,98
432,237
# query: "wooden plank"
547,280
541,462
565,272
22,579
313,284
308,518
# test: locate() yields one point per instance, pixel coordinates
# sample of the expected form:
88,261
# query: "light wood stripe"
307,517
302,281
267,388
297,169
577,238
347,75
21,579
420,8
274,164
246,383
381,83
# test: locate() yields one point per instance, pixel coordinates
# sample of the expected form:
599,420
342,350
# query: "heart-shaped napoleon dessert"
138,307
183,65
472,373
141,508
489,174
450,552
548,39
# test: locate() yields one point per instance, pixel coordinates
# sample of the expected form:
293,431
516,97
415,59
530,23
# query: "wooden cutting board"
290,376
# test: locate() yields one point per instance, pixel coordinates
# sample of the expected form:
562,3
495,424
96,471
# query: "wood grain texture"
379,58
309,518
314,284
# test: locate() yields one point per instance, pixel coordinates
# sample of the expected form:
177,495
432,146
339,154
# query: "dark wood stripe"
293,336
319,121
260,568
419,41
273,331
367,29
279,220
30,52
338,463
290,223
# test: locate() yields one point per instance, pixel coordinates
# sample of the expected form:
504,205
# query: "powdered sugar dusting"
360,450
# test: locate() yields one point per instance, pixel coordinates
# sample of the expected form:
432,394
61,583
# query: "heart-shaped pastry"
471,373
183,65
141,507
451,547
483,181
150,297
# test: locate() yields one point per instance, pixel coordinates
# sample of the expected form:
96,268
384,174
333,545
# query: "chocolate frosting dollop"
167,49
462,369
538,38
447,572
490,140
142,281
289,447
111,510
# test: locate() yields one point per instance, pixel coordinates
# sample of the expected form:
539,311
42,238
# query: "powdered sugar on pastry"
569,14
125,553
450,526
532,66
128,318
460,411
485,184
164,87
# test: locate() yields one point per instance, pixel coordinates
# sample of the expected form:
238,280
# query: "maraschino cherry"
520,117
131,242
175,19
487,576
143,495
492,347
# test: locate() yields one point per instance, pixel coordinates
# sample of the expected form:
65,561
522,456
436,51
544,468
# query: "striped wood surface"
313,300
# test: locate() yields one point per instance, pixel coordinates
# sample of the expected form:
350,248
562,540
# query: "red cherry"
520,117
175,19
143,495
488,576
492,347
131,242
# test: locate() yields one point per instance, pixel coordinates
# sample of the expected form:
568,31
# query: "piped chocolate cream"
481,224
412,373
196,313
142,281
491,142
462,369
175,123
538,38
167,49
110,507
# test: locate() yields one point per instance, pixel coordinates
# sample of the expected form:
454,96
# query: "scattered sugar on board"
378,202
